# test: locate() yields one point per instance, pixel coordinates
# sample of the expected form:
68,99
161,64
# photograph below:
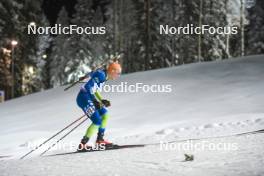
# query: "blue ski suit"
88,94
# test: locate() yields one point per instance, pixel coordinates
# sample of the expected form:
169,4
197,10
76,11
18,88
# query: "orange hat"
114,67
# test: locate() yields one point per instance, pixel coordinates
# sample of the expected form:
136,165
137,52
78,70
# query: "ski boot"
100,140
82,146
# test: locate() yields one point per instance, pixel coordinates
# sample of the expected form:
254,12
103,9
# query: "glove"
106,103
97,104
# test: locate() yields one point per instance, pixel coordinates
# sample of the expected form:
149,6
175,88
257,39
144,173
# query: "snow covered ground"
213,101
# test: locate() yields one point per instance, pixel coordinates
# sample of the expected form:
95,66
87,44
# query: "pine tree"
42,58
214,45
14,19
57,62
81,51
255,29
189,44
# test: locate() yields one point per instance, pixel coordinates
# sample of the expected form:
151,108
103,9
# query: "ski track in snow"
209,101
150,160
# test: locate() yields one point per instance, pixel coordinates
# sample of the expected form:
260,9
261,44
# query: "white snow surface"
211,102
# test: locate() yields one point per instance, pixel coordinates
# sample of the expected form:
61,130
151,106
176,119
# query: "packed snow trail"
246,161
153,144
208,100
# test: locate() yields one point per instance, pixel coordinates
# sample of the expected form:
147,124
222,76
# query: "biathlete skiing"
94,106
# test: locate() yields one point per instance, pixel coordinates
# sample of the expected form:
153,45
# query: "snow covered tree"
255,35
42,59
189,45
144,47
58,59
14,19
82,51
214,45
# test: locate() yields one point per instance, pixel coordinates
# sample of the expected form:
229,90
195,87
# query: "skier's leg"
105,116
89,109
100,135
84,103
93,128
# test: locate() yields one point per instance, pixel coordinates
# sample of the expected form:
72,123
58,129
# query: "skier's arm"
98,96
101,100
99,78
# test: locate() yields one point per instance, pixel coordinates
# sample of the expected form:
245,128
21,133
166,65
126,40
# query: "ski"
113,147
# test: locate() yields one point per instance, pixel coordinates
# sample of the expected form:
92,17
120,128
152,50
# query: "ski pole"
52,136
64,136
